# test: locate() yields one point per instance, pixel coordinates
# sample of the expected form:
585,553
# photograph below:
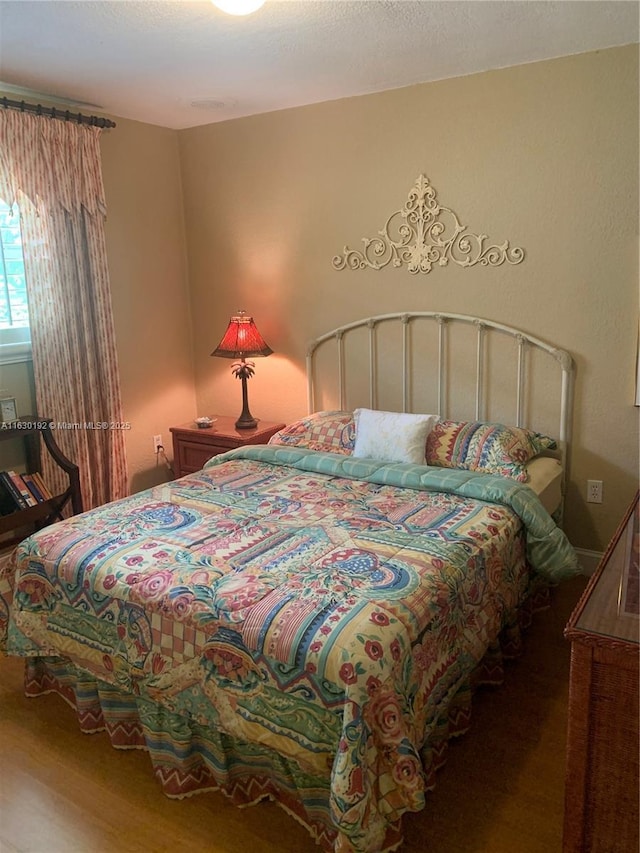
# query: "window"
15,337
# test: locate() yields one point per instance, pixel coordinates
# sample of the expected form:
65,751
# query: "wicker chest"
602,789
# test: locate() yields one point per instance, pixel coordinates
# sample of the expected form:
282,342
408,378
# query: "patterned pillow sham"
330,432
489,448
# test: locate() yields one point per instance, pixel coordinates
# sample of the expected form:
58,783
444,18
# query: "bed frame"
442,323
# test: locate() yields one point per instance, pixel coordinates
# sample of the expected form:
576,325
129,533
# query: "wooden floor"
500,792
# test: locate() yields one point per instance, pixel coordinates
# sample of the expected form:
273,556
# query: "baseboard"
588,560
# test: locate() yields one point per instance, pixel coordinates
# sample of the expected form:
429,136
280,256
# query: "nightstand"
192,446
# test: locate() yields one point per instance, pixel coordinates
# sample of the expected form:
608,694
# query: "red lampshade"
242,339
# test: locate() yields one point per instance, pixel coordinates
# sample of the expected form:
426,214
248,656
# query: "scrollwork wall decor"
424,233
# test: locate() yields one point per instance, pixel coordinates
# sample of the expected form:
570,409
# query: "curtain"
52,169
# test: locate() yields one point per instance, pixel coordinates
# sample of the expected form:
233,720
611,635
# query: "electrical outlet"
157,443
594,491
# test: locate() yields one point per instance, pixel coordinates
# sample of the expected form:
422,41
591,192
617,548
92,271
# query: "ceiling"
182,63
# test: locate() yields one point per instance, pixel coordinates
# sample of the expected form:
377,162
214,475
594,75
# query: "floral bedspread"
324,607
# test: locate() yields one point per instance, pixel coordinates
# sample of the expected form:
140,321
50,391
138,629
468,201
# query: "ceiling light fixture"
238,7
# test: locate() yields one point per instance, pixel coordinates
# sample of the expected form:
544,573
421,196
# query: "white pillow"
392,436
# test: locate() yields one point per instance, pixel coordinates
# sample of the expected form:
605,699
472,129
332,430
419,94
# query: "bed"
306,620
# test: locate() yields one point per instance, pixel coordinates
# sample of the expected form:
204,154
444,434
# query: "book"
33,488
20,485
13,491
7,501
40,483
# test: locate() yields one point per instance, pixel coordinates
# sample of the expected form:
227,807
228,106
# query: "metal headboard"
522,341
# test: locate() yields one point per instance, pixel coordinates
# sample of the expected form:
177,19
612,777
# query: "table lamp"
242,340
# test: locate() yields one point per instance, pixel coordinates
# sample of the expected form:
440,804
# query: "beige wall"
544,155
148,272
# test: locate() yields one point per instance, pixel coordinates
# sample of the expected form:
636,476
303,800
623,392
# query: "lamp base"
246,422
246,419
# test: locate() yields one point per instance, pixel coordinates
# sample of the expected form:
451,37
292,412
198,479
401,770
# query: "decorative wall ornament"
423,233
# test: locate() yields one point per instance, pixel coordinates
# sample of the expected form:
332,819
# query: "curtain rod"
52,112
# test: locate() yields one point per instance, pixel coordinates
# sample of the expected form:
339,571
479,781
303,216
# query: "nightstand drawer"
192,455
